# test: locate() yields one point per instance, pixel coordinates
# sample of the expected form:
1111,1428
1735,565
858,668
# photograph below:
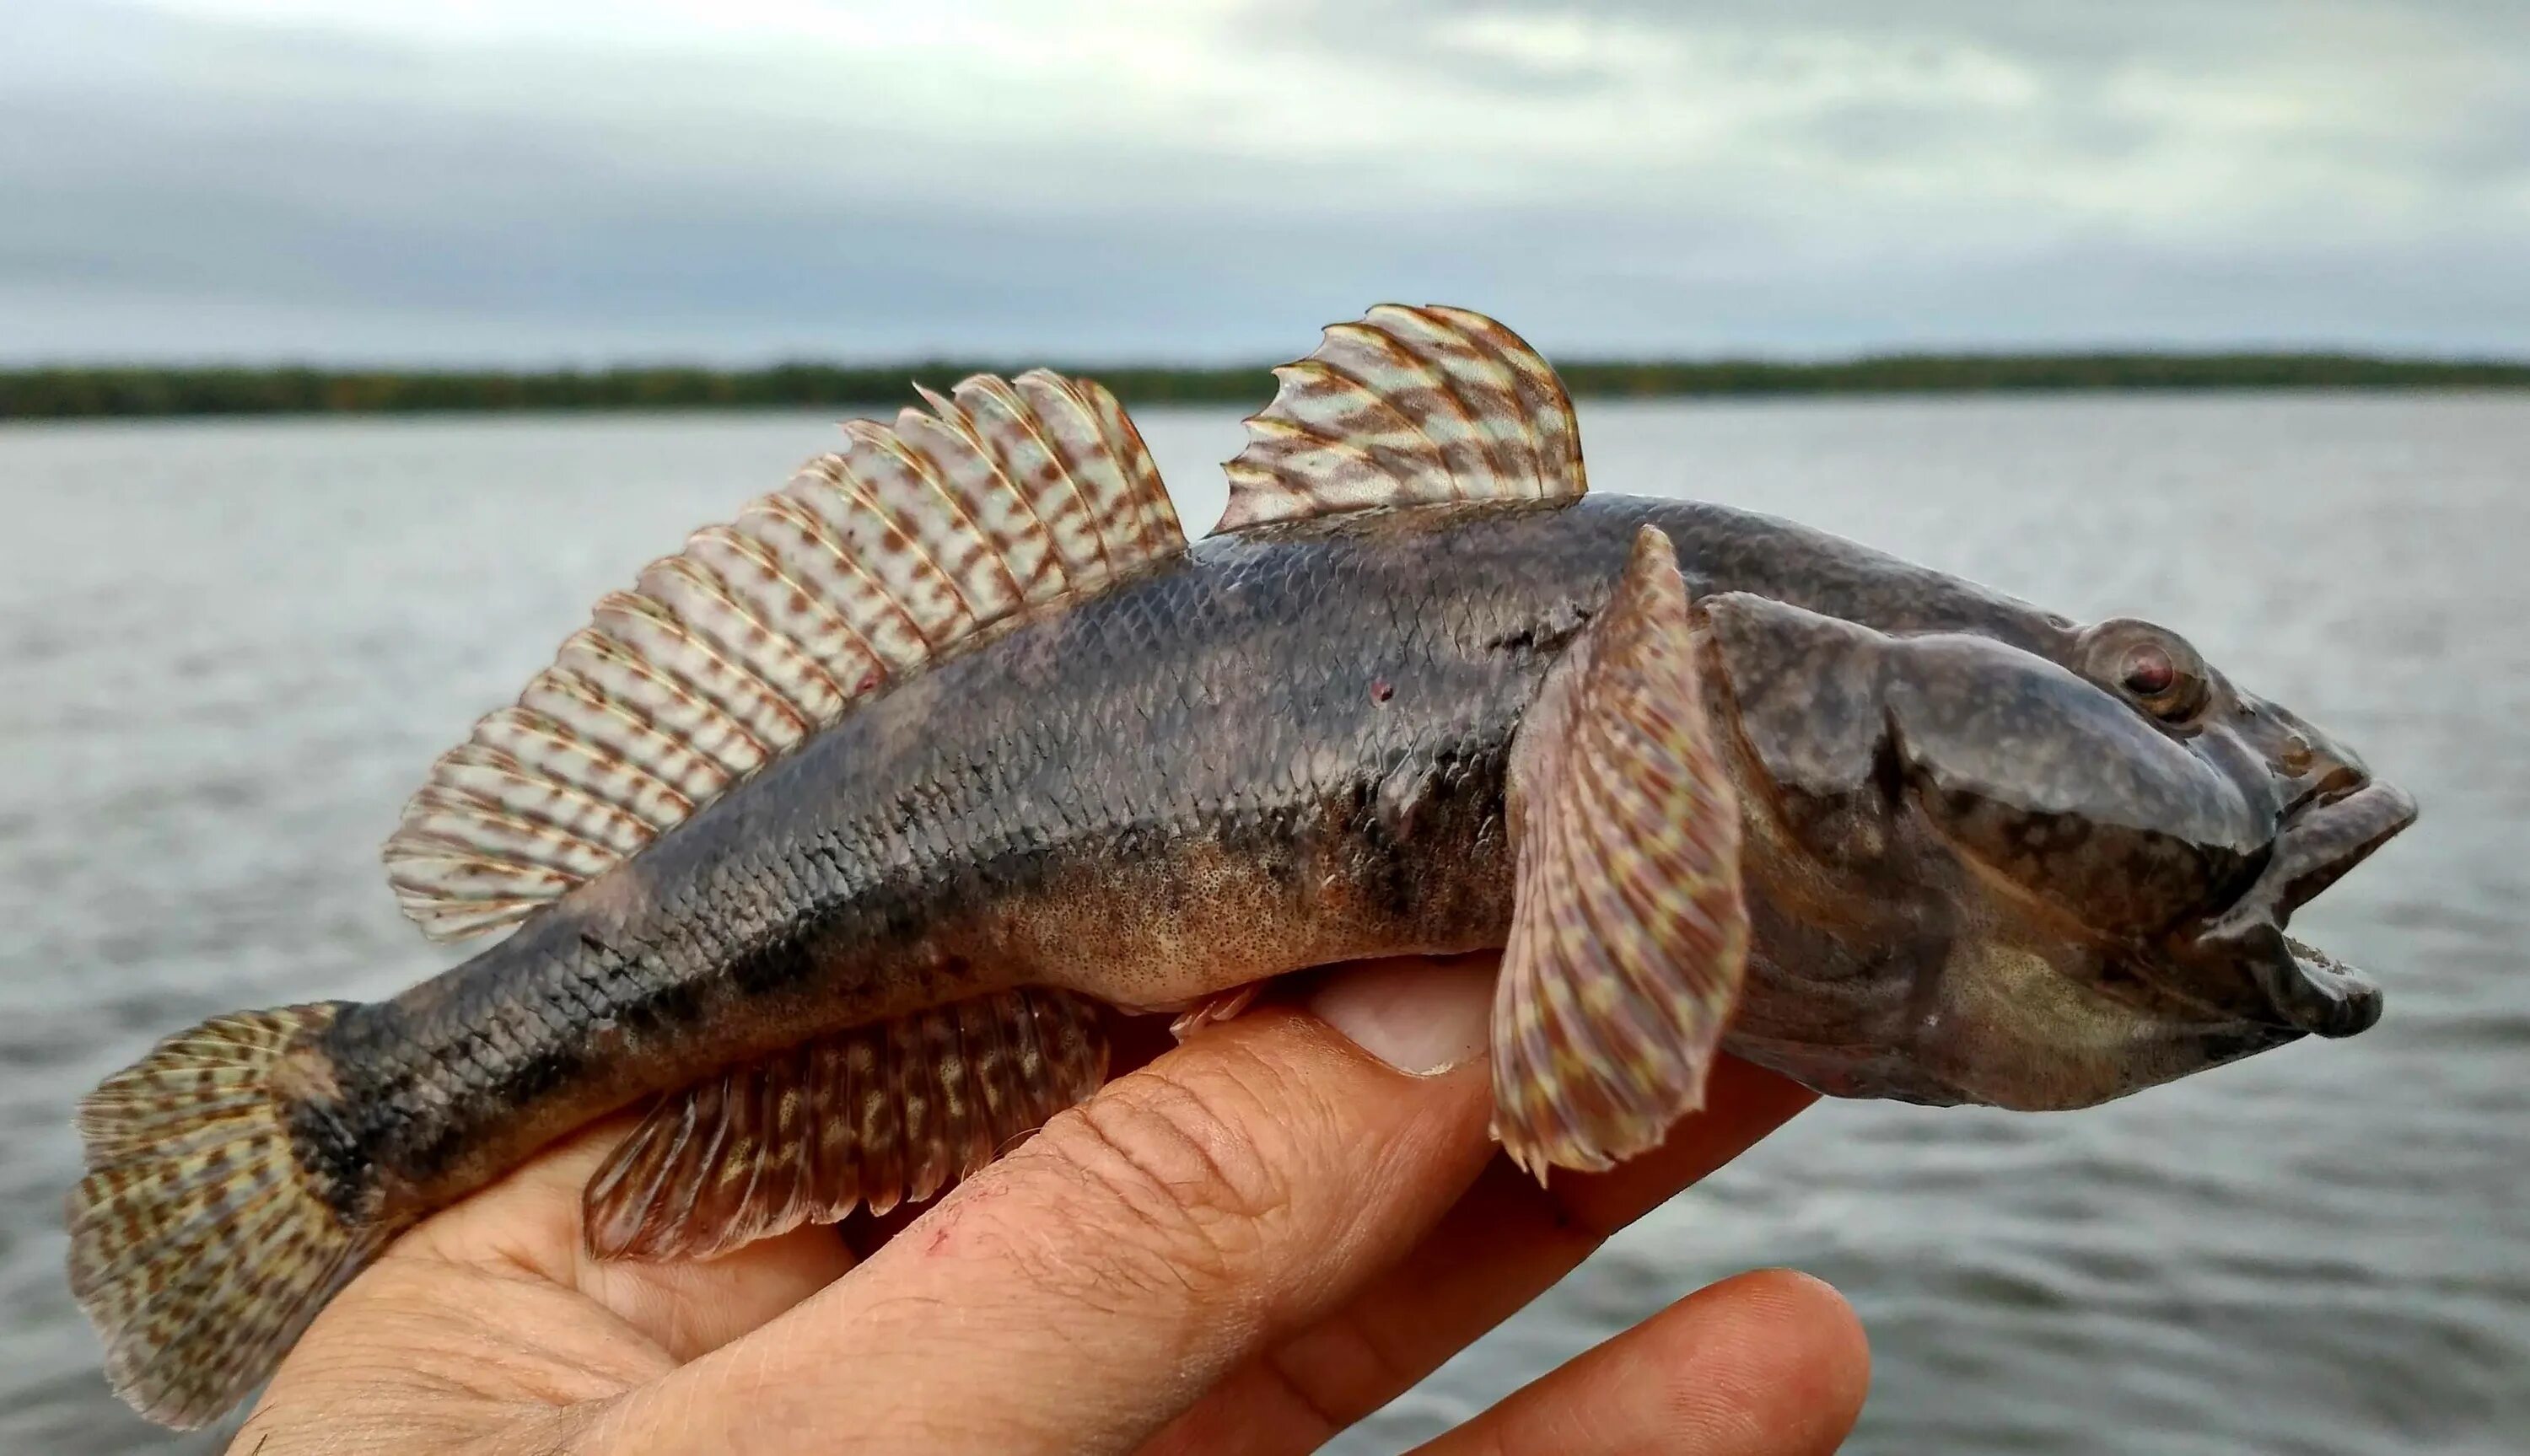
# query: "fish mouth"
2301,987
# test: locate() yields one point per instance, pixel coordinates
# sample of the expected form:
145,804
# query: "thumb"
1419,1016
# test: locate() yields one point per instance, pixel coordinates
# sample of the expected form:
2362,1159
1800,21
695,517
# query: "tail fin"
200,1246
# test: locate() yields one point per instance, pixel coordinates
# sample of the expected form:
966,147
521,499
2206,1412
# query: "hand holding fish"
1256,1239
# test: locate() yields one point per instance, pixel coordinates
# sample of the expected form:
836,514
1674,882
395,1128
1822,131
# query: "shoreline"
143,391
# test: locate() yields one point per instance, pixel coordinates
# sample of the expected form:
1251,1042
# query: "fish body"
1715,781
1269,754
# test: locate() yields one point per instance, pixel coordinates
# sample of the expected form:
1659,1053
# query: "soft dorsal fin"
1408,406
1007,495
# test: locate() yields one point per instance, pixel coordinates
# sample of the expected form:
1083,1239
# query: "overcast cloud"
602,180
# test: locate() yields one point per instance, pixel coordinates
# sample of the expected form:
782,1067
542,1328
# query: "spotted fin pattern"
1630,938
872,1117
1408,406
199,1248
1005,495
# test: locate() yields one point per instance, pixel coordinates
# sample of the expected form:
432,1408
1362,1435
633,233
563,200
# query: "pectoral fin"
1628,938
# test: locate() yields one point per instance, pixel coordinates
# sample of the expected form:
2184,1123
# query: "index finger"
1095,1284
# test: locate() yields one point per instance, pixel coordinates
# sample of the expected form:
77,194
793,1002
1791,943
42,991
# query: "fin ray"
874,631
1406,407
869,1117
1629,937
857,571
200,1246
564,801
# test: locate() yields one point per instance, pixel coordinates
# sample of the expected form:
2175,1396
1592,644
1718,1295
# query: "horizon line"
134,390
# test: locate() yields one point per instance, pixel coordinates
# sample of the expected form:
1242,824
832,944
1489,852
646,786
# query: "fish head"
2036,868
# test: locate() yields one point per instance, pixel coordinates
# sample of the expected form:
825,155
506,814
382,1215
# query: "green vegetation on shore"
64,393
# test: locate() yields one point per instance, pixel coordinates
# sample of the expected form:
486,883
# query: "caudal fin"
200,1246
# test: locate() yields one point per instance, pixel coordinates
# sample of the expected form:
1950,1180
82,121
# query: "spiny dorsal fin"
1409,407
1009,494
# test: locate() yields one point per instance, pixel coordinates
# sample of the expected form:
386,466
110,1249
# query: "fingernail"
1418,1015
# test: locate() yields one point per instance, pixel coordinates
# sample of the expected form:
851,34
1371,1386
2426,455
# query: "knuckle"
1337,1372
1166,1182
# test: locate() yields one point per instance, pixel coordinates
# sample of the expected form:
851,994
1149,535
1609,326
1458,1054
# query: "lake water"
228,651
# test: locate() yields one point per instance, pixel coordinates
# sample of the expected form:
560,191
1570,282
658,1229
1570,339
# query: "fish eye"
2153,668
2149,672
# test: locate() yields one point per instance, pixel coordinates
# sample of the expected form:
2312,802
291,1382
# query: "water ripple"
2327,1248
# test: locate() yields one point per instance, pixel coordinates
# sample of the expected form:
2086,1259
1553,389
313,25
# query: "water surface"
229,650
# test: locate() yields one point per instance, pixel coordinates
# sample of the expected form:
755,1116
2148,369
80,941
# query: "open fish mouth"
2301,987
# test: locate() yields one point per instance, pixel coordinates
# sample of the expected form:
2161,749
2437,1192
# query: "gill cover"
2038,775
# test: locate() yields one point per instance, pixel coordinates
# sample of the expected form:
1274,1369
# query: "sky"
583,181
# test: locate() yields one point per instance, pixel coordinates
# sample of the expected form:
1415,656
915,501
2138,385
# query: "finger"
1094,1283
529,1225
1505,1243
1769,1364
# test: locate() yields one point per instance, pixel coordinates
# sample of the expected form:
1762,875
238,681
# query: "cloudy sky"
580,180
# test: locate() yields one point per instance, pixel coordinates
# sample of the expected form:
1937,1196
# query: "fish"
830,845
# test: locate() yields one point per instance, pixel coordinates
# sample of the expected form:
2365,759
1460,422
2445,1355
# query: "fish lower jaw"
2304,988
2277,981
2326,997
1854,1072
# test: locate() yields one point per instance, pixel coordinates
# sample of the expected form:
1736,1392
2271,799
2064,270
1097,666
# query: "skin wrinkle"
1505,1221
1189,1359
1342,1369
1295,1395
1171,1164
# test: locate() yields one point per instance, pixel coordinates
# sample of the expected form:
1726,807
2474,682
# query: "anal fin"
1628,938
866,1117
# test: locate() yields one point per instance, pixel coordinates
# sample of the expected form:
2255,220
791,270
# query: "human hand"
1243,1246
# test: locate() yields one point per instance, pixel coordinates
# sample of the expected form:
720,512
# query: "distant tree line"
63,393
